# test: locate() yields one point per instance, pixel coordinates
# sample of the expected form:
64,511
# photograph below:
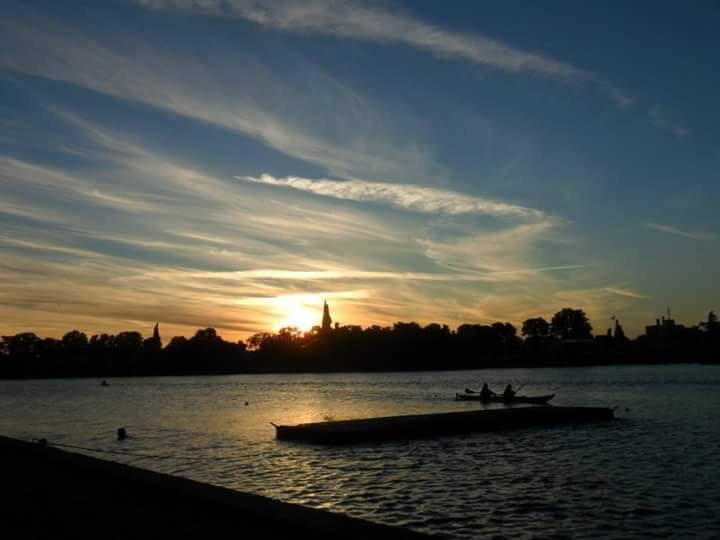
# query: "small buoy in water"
104,383
627,409
121,434
246,404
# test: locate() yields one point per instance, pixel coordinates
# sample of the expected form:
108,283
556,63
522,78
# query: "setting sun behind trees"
299,314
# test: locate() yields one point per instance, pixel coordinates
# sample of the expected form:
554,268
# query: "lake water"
654,472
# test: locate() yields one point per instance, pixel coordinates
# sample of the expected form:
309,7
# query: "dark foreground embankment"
50,493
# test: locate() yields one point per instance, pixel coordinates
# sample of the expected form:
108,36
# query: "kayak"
499,399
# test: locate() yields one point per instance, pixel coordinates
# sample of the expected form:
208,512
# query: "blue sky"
234,163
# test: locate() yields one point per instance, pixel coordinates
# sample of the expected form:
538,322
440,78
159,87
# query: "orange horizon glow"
299,317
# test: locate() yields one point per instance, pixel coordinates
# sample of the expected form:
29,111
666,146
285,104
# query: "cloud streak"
624,292
129,213
351,274
706,237
503,253
663,120
217,85
219,255
405,196
372,22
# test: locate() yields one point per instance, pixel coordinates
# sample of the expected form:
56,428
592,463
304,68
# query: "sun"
299,316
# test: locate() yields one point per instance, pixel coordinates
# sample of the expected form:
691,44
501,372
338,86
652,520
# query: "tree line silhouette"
566,340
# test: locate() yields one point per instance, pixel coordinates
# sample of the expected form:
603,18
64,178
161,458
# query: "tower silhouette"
326,320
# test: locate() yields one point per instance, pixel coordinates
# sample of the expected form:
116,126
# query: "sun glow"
300,316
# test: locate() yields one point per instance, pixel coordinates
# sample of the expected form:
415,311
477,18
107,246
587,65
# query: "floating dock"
430,425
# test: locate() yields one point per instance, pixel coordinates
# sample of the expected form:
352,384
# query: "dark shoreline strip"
54,493
431,425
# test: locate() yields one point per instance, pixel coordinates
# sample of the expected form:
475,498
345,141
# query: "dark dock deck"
428,425
51,493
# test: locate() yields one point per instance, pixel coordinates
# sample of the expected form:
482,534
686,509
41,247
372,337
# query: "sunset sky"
233,163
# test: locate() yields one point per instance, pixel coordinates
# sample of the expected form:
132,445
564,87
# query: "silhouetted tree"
102,342
536,328
74,340
23,353
619,333
176,343
129,342
505,331
104,354
711,327
205,352
571,323
404,346
128,350
25,345
72,356
151,346
259,340
290,334
206,335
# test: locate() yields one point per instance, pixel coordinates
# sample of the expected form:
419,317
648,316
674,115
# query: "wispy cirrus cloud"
79,251
664,120
216,252
375,22
233,269
104,226
352,274
221,86
624,292
406,196
43,179
503,253
707,237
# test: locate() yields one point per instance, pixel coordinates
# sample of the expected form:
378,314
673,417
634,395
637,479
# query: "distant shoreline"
404,347
214,374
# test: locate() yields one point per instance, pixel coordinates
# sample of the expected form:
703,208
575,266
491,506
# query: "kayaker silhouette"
509,393
486,393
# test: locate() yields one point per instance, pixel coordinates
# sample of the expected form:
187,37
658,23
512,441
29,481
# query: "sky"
234,163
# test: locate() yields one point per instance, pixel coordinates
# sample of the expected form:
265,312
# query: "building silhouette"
664,329
326,320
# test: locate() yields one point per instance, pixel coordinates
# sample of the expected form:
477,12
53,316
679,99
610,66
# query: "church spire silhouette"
326,320
156,331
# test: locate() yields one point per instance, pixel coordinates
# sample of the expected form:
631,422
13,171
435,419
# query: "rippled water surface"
654,472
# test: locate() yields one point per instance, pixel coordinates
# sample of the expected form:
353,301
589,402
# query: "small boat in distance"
539,400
